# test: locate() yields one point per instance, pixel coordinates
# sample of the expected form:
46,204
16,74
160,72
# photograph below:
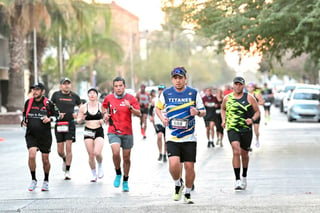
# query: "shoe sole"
67,178
44,190
92,181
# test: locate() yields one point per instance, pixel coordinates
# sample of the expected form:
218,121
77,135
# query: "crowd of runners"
233,110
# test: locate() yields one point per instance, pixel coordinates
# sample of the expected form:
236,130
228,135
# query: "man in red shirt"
119,107
144,100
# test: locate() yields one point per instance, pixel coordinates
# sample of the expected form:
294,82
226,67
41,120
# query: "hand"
127,103
165,121
249,121
106,116
45,119
223,124
193,111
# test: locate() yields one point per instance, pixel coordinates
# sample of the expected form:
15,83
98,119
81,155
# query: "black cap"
239,80
38,86
64,80
93,89
181,71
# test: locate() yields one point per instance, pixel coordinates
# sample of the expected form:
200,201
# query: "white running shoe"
238,185
33,185
67,175
45,186
94,178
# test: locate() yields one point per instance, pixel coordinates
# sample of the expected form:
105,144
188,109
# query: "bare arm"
256,110
223,111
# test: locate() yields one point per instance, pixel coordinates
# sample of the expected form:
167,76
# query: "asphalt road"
283,175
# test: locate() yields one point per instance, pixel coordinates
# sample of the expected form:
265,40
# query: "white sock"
177,182
94,173
188,191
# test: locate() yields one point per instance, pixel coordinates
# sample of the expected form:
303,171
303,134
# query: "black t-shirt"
66,103
38,109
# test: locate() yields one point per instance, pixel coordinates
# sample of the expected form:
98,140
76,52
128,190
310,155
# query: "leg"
126,161
90,149
115,147
236,158
61,152
159,142
190,174
46,163
98,146
32,159
212,129
68,152
175,167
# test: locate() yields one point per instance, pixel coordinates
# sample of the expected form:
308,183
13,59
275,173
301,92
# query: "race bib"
218,111
63,126
179,123
211,104
89,133
267,103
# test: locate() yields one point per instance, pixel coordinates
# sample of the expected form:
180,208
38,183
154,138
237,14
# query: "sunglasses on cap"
179,71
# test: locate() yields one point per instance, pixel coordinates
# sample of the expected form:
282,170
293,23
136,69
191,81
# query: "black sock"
125,178
244,172
237,173
68,168
118,171
46,176
33,175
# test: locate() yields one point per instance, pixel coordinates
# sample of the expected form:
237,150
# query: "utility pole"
35,56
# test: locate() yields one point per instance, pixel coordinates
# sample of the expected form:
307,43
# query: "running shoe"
238,185
221,144
160,157
45,186
125,186
217,143
164,158
100,172
117,181
67,175
94,178
208,144
257,143
33,185
64,166
244,182
212,144
187,199
178,192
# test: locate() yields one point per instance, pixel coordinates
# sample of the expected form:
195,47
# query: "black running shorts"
43,142
244,138
187,151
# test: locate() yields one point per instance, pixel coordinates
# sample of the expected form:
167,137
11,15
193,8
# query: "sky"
148,11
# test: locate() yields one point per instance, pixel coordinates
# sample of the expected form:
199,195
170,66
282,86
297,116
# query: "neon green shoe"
178,192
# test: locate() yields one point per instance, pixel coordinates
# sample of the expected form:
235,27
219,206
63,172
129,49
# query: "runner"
93,132
119,107
181,104
159,128
36,117
239,111
268,100
210,102
218,120
251,87
144,99
65,129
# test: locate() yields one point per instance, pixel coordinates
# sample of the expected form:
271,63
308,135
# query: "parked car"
304,105
285,92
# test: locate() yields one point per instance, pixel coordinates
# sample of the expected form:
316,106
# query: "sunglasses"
178,71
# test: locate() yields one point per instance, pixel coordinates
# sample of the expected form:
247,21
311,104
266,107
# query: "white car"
304,105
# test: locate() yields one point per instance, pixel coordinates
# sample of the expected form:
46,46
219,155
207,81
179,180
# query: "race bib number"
218,111
62,127
267,103
179,123
211,104
89,133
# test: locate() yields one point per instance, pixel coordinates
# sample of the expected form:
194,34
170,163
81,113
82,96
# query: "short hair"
119,79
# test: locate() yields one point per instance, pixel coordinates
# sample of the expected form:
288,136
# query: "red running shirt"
120,113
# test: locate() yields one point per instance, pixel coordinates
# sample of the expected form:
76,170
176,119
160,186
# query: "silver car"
304,105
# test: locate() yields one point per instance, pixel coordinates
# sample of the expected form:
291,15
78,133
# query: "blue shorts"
125,141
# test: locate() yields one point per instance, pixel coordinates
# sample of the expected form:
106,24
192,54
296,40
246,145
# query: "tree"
276,27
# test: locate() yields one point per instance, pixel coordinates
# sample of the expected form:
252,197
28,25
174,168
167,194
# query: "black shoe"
160,157
164,158
212,144
208,144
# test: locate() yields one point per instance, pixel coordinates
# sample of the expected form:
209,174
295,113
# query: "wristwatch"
199,112
131,107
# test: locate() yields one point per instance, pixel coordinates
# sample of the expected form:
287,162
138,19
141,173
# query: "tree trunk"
16,72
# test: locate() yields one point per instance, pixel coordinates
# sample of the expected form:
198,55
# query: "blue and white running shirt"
177,108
